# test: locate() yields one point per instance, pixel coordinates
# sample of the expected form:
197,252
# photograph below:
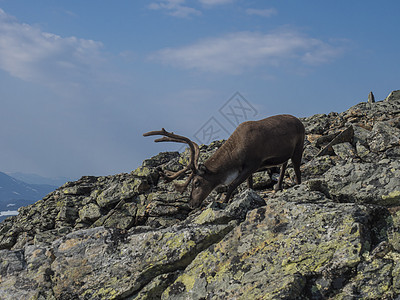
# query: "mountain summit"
132,236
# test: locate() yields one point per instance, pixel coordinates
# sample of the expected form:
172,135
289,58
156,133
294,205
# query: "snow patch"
8,213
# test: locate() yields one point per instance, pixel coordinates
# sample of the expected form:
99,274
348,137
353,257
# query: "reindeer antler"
194,156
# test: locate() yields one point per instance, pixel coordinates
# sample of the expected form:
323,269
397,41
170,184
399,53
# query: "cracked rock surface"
132,236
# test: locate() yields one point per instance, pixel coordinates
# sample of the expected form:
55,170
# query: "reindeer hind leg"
278,186
296,160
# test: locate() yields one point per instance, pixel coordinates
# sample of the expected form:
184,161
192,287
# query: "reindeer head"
202,178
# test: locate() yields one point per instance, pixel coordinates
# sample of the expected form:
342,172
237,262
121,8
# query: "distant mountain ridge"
37,179
15,193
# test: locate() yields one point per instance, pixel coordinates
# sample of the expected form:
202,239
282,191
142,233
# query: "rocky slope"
131,236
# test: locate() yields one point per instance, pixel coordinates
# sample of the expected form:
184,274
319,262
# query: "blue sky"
80,81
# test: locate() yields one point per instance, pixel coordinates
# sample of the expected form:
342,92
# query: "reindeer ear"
202,169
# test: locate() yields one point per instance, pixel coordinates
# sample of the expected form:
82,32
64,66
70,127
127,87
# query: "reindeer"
253,146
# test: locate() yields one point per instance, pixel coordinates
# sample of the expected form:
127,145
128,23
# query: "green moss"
183,160
96,193
67,191
188,281
142,172
107,291
103,293
205,216
176,241
129,186
396,273
392,198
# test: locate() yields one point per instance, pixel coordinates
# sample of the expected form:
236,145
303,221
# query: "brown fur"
254,145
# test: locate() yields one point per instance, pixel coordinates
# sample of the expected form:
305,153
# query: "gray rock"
317,167
103,263
365,182
371,98
309,153
124,190
344,136
262,180
316,124
362,150
367,114
344,150
44,239
90,213
394,95
218,213
361,135
67,214
383,137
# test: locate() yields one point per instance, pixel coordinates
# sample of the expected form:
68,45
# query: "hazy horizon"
80,82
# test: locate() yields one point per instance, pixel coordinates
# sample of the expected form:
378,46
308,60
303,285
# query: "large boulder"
282,251
112,263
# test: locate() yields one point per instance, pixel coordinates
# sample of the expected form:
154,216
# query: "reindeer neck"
221,161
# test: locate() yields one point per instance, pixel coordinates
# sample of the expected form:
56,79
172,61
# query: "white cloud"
30,54
175,8
240,51
215,2
262,12
178,8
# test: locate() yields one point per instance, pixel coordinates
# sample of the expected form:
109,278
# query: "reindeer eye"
196,183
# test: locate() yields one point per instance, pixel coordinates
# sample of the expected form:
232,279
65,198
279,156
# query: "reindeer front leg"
236,182
278,186
250,181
